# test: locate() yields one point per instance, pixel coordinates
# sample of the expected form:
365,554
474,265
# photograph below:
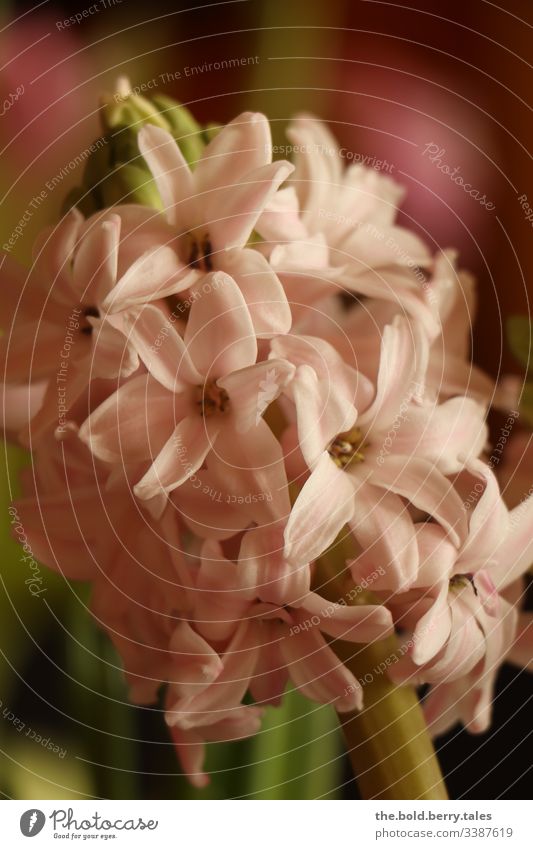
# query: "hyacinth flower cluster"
256,430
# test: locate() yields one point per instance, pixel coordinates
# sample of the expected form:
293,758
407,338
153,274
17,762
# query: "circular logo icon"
32,822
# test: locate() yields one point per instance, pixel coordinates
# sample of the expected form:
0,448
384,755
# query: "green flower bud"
116,172
210,131
185,129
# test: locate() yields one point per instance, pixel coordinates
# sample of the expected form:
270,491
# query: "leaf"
298,752
518,329
526,403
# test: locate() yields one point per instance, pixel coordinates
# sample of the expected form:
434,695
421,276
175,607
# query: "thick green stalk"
388,741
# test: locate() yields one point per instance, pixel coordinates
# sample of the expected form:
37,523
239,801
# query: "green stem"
388,741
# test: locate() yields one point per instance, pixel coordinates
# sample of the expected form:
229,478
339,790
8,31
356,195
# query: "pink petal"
180,457
318,167
161,348
375,245
359,623
351,386
63,530
280,219
276,580
403,360
190,749
52,255
95,264
321,416
326,391
205,504
446,434
427,488
32,352
222,595
46,420
241,146
130,425
156,274
433,629
234,214
264,295
253,472
251,390
19,405
324,505
489,518
465,647
515,553
270,675
220,336
238,661
318,673
112,355
382,525
197,665
395,284
172,175
438,555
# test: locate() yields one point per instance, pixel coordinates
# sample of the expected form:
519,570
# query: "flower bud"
116,172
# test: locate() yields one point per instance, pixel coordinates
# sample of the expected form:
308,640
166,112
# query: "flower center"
200,253
347,448
85,326
211,399
459,582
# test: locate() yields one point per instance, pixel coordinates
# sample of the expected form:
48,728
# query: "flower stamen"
85,326
200,253
347,448
212,399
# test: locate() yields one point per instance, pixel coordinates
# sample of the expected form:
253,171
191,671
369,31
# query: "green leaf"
298,752
519,338
526,403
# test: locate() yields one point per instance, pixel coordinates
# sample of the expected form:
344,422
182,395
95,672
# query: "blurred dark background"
390,79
